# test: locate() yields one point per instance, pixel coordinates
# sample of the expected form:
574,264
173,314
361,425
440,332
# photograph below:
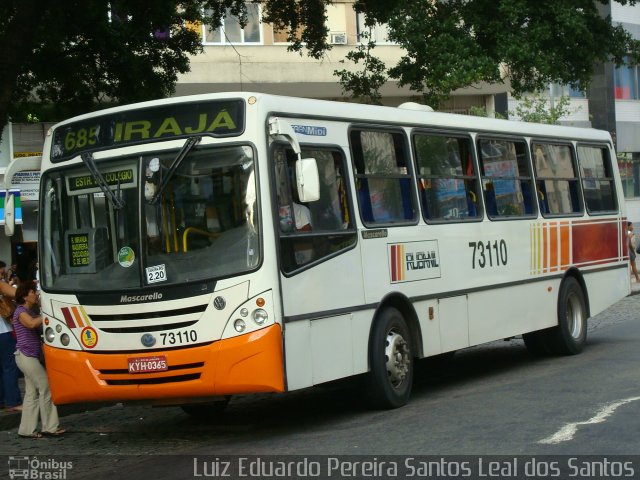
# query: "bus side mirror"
307,179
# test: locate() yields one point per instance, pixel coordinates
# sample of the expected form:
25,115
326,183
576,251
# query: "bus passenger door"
320,272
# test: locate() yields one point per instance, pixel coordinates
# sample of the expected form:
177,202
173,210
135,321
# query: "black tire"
570,336
206,411
391,358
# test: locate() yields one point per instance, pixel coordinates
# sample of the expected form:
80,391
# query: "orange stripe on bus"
78,317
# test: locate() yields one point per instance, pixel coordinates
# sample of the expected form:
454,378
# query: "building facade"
614,104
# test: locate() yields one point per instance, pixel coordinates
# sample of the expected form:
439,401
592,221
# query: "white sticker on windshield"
157,273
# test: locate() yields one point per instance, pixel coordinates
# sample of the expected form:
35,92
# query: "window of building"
447,185
230,30
597,179
506,179
556,179
626,82
383,178
280,36
379,32
316,230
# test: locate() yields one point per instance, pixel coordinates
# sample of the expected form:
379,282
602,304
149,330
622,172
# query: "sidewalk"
9,420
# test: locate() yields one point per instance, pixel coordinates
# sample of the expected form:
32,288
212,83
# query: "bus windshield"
159,218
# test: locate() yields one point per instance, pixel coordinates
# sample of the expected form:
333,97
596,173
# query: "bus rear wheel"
570,335
391,358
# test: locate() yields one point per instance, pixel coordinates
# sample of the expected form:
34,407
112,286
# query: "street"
495,399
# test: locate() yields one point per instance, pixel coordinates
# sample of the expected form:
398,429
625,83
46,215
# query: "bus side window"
446,178
557,178
598,183
506,178
314,230
383,178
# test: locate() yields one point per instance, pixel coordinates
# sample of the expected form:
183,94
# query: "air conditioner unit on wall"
338,38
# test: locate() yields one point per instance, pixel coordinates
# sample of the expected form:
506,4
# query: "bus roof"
355,112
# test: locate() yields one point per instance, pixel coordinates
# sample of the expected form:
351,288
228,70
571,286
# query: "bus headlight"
49,335
260,316
64,339
239,325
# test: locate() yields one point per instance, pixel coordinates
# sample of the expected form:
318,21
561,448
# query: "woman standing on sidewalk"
631,238
37,397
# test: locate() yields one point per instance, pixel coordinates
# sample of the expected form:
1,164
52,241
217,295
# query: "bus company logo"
35,468
414,261
140,298
310,130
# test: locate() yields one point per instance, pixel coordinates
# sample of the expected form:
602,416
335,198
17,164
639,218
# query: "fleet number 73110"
489,253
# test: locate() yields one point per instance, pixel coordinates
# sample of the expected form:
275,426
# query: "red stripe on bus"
594,241
394,274
68,318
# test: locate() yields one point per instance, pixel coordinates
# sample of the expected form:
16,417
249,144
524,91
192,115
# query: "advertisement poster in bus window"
451,196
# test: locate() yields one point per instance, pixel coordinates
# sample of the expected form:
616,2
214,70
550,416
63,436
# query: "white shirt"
302,215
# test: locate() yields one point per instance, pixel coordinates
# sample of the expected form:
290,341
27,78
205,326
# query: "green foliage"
538,109
482,112
363,85
451,44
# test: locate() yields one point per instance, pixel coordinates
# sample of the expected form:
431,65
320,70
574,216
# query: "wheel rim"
575,316
398,358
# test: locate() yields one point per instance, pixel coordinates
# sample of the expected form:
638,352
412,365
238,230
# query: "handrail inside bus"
195,230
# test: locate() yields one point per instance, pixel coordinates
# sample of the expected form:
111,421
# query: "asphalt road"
490,400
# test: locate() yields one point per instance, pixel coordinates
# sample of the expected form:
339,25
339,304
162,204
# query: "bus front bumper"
246,364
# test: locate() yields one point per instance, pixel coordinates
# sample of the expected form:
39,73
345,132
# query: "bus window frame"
479,217
410,175
279,234
577,178
509,138
612,179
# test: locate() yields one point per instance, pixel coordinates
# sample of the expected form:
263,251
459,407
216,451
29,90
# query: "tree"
451,44
81,55
538,109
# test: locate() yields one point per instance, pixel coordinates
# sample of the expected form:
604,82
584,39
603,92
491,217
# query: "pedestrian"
12,275
631,240
9,390
37,403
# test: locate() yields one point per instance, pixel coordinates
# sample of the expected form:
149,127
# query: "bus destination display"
217,118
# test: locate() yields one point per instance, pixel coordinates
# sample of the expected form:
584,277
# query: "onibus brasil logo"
35,468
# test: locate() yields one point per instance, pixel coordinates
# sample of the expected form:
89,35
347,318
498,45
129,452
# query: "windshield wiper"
118,202
186,148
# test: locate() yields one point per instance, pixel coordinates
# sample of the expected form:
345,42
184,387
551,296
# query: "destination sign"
217,118
119,177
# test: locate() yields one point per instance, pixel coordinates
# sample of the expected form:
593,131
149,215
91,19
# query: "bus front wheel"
391,359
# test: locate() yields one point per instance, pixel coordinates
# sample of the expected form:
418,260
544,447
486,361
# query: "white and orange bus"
199,247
